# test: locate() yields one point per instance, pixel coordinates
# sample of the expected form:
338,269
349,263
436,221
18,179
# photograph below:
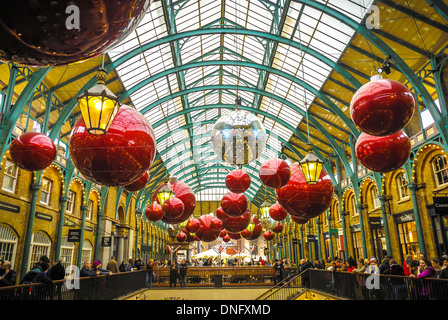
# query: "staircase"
288,289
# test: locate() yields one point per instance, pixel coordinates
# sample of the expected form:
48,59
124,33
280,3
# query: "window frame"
401,187
45,192
70,202
10,176
436,171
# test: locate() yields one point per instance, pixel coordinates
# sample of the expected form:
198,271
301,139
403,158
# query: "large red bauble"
173,208
268,235
42,33
181,237
305,200
205,233
275,173
237,224
277,213
139,184
154,212
183,192
216,224
234,204
234,235
238,181
383,154
226,238
193,225
223,233
32,151
299,220
119,157
278,228
246,234
382,107
258,230
221,215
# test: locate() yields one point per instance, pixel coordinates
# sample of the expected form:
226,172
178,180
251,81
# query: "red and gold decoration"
226,238
154,212
383,154
278,228
172,208
274,173
205,233
234,235
216,224
382,107
299,220
234,204
223,233
181,237
237,181
32,151
119,157
48,33
193,225
139,184
305,200
277,213
183,192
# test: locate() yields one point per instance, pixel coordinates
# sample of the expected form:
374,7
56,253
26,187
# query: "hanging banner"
441,205
334,233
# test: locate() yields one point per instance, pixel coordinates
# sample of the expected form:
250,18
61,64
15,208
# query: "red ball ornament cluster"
381,109
234,204
32,151
206,233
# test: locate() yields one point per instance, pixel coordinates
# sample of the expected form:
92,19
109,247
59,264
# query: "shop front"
407,234
438,213
378,237
355,231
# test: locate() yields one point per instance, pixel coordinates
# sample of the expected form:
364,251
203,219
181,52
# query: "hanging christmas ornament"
257,229
119,157
299,220
237,181
305,200
383,154
205,233
268,235
221,215
222,233
172,208
238,137
139,184
277,213
234,235
226,238
237,224
382,107
48,33
278,228
181,237
246,234
32,151
274,173
234,204
193,225
154,212
216,224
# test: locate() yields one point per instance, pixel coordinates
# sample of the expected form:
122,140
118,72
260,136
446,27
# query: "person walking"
183,273
112,265
149,273
174,274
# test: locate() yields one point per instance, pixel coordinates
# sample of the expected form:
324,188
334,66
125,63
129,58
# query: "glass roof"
219,77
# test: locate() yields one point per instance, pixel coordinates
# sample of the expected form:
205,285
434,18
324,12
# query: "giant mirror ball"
274,173
237,181
32,151
238,137
382,107
183,192
383,154
205,233
41,33
305,200
119,157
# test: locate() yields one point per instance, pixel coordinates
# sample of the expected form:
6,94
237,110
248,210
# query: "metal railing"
104,287
361,286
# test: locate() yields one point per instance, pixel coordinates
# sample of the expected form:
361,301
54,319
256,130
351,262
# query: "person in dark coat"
87,270
9,276
30,275
57,272
174,274
444,271
183,273
385,265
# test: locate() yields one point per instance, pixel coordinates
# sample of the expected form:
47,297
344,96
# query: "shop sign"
74,235
326,235
375,223
9,207
334,233
106,242
355,228
43,216
295,241
311,238
441,205
404,217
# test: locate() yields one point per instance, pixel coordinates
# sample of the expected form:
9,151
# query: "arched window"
440,170
353,206
402,186
375,199
40,246
8,244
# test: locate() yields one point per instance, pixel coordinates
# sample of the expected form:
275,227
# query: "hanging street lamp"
311,166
